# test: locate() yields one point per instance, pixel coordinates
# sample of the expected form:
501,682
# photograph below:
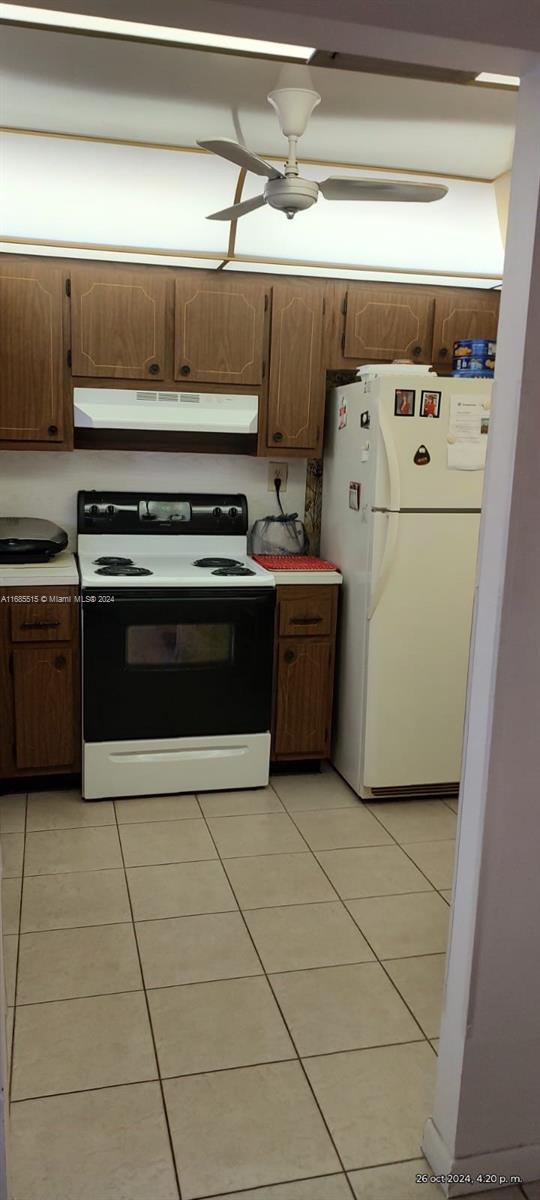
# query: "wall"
45,483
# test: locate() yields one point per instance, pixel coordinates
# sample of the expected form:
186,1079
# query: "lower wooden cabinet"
39,682
304,670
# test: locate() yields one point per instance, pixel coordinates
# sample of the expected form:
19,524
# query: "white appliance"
177,645
143,408
403,478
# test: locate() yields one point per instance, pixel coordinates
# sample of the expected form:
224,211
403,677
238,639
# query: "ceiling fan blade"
238,210
347,187
234,152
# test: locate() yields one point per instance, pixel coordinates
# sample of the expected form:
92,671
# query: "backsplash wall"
45,483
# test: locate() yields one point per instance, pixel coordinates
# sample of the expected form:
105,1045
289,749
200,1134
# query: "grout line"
263,1187
85,996
151,1027
104,1087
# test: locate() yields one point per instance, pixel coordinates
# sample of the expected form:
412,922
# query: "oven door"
170,664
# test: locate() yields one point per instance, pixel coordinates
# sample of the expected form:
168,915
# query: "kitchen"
313,816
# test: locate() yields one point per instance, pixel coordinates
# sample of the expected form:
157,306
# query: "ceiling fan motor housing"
291,194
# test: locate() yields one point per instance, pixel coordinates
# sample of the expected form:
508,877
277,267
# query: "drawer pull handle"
40,624
289,656
306,621
60,662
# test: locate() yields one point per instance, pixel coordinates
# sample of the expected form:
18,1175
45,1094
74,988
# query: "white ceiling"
108,88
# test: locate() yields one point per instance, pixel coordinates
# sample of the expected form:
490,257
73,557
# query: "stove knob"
110,508
233,512
218,512
94,508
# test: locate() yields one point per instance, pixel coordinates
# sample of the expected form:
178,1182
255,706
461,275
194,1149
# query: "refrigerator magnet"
422,456
354,495
364,419
342,414
430,404
404,402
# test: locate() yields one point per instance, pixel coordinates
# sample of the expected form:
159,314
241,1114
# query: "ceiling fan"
287,190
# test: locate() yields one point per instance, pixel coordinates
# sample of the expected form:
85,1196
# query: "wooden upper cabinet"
118,320
296,391
463,314
31,351
219,330
385,324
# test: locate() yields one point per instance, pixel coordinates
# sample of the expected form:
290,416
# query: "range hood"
192,412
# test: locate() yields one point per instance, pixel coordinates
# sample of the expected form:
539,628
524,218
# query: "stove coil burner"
121,570
110,560
217,562
237,569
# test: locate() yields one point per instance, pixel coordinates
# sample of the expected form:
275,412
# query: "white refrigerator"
402,491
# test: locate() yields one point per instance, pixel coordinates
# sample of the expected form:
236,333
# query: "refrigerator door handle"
394,498
387,562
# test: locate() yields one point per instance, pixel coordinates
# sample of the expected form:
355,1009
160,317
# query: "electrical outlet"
278,470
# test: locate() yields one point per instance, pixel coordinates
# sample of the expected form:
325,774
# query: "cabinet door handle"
277,437
40,624
306,621
52,430
289,656
417,350
443,351
185,370
60,662
154,368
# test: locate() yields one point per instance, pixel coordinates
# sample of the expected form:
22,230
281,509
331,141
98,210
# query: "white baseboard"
523,1161
158,767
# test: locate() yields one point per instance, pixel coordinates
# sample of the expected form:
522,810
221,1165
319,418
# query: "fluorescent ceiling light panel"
504,80
162,33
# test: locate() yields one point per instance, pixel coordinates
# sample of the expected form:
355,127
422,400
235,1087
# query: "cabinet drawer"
310,614
49,621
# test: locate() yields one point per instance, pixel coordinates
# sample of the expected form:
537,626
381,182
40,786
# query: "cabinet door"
31,352
118,323
44,696
219,330
384,324
463,314
303,697
296,388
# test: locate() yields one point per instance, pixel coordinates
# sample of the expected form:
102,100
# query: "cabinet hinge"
68,287
344,305
69,358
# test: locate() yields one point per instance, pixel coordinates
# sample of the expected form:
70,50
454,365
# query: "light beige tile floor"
230,994
420,981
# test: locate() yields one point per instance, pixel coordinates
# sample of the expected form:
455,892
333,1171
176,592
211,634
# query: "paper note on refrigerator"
466,433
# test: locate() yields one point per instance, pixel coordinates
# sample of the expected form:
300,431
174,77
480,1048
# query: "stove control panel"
161,512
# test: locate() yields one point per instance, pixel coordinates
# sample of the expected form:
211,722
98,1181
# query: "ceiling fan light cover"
294,107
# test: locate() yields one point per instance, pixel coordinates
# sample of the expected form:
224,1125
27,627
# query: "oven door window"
177,646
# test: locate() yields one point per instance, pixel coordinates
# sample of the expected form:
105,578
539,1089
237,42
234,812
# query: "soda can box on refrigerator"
474,358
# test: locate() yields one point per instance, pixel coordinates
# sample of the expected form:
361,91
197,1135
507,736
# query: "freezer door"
407,476
418,647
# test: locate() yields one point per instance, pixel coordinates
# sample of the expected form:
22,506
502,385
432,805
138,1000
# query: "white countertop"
61,569
316,577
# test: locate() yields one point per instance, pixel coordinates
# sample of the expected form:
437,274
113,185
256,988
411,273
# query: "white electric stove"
177,636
